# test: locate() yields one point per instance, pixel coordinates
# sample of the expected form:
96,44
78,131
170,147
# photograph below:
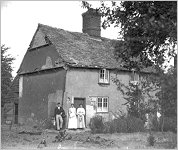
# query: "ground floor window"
102,104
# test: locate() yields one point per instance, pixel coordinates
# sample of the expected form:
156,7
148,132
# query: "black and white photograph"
86,75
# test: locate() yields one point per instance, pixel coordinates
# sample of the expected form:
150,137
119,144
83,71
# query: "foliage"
170,124
164,85
131,123
138,97
127,124
110,127
148,28
96,124
6,72
168,94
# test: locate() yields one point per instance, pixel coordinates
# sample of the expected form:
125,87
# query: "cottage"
71,67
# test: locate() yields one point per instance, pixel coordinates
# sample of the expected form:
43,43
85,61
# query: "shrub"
134,124
121,125
96,124
127,124
170,124
109,127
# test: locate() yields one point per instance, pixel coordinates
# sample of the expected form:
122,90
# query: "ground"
15,138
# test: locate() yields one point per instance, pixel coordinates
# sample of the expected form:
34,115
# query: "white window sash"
102,108
134,76
105,76
101,80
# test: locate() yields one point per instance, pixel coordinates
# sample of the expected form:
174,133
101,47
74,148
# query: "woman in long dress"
80,117
72,118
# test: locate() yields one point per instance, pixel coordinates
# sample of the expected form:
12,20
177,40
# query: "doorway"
78,101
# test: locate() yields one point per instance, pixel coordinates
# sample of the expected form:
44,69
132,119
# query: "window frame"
104,76
135,77
102,109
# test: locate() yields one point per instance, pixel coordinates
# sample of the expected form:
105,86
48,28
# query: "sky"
19,21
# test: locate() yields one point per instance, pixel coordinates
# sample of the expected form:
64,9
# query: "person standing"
58,113
80,117
72,124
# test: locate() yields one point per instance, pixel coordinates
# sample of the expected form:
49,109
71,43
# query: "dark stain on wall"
41,92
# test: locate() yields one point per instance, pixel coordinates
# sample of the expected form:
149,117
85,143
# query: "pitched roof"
81,50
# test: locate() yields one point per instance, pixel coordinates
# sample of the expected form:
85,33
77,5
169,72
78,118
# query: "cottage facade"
70,67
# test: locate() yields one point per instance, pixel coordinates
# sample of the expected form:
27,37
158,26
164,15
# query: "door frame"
83,98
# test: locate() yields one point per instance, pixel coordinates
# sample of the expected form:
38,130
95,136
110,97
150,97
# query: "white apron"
72,124
80,117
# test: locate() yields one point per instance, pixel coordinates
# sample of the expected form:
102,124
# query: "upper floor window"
102,104
103,76
134,77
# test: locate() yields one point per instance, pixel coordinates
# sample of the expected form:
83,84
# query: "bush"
121,125
170,124
109,127
127,124
96,124
134,124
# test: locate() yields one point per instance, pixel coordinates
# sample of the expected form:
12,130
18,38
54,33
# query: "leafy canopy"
168,93
6,71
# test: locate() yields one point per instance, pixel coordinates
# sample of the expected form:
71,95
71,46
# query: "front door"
78,101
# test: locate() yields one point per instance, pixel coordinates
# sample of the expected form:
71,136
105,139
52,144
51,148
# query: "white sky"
19,21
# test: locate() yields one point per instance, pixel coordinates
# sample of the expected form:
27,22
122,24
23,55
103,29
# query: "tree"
168,93
6,72
148,28
139,97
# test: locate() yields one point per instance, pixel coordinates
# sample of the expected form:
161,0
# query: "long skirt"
81,121
72,124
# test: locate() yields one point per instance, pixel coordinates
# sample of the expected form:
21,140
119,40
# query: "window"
104,76
134,77
102,104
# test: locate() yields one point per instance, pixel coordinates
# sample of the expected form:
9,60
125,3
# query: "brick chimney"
92,23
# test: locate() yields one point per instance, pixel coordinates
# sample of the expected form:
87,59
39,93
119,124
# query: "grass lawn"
11,139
